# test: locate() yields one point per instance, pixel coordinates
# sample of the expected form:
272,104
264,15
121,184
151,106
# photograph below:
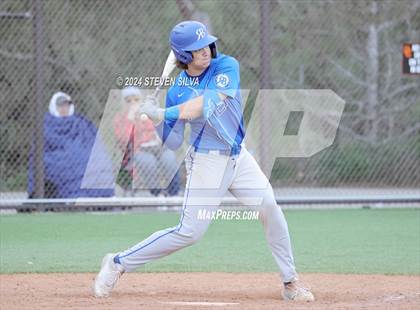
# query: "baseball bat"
170,65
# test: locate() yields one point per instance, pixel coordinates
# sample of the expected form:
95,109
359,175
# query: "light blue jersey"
221,125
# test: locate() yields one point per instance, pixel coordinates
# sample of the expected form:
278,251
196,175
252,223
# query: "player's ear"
181,65
213,49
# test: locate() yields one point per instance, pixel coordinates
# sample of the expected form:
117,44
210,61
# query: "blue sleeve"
225,78
225,116
171,132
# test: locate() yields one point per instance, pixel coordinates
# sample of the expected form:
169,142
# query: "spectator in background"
68,141
144,155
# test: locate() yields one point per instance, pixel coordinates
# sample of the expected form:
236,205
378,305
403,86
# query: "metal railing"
354,49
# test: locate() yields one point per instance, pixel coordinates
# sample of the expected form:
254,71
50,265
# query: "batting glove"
151,109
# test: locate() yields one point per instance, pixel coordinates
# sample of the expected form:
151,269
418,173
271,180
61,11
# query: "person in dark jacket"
68,141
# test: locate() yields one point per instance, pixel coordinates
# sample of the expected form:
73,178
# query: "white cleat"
295,292
108,277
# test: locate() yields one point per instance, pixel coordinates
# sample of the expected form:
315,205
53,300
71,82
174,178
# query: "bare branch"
354,135
356,55
288,81
399,90
399,108
349,74
386,25
407,132
24,57
5,14
358,104
388,76
189,11
186,7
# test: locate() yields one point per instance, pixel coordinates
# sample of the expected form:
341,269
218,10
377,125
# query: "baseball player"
206,95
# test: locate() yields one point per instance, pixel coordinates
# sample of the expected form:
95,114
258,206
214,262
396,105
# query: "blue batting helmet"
190,36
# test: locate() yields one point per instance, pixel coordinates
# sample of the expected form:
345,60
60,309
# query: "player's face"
201,59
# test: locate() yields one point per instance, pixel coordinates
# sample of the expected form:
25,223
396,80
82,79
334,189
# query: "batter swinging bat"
170,65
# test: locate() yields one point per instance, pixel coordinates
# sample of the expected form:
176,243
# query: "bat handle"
156,91
161,81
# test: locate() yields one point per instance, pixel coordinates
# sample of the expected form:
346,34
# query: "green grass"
340,241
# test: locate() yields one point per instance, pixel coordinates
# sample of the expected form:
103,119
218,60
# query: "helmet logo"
200,33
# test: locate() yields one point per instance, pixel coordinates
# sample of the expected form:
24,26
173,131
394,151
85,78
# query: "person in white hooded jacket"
68,141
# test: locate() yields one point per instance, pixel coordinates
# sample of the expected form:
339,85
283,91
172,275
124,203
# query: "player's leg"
250,182
202,196
252,187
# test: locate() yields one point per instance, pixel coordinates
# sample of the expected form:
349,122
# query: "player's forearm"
191,109
188,110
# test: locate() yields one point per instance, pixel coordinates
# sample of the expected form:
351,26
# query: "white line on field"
200,303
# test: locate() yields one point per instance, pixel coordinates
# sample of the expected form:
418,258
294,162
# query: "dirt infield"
207,291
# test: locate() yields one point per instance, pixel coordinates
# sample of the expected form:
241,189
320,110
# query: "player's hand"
151,100
151,109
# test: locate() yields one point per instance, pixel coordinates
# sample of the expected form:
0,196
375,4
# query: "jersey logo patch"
222,80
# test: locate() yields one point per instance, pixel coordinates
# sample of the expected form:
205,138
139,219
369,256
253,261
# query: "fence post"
265,82
37,9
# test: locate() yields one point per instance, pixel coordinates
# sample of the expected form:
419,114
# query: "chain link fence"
82,47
